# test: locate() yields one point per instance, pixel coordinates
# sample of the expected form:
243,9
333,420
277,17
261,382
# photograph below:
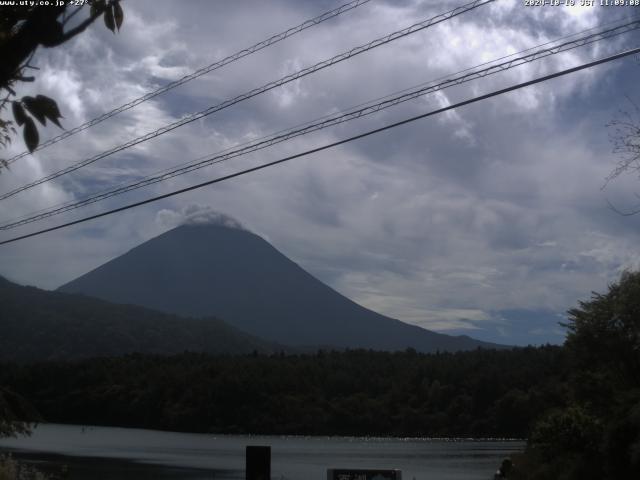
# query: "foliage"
597,434
571,429
568,441
39,325
10,469
24,27
604,333
14,411
483,393
621,444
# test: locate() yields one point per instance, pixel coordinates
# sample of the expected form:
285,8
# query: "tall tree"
596,435
604,332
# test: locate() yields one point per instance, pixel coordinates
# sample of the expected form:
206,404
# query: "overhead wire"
332,145
203,157
331,120
198,73
257,91
66,206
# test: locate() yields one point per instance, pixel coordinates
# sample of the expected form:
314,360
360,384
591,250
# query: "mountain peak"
239,277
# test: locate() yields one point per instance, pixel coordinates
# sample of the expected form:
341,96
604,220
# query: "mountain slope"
40,325
201,270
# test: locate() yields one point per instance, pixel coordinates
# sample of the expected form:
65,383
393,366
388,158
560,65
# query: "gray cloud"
195,214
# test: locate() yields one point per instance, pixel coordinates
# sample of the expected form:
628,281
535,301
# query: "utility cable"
72,204
325,122
198,73
331,145
257,91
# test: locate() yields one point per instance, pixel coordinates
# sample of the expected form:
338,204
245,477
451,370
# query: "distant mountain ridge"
41,325
216,270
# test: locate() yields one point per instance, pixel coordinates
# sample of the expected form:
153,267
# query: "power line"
198,73
207,161
167,170
331,145
326,122
257,91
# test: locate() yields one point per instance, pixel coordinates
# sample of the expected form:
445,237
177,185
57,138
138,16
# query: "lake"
122,453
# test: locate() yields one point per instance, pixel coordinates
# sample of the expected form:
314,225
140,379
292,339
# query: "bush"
10,469
570,430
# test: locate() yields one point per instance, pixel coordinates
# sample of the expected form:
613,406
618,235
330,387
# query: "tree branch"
70,16
81,27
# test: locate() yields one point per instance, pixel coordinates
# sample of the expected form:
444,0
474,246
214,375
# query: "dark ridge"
41,325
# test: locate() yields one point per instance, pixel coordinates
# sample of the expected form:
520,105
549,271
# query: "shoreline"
292,436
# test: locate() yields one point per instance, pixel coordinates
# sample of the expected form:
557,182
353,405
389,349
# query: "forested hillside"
480,393
40,325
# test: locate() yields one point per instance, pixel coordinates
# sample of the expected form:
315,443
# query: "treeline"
578,405
483,393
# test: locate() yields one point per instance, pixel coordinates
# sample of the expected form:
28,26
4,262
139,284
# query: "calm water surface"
122,453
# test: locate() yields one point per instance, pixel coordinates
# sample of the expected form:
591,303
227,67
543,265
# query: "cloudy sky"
488,220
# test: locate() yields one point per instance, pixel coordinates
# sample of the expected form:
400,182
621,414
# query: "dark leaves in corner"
31,137
109,19
97,6
113,14
118,14
49,108
18,113
43,108
34,108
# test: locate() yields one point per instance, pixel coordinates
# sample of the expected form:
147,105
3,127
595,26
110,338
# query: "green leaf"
34,107
31,137
118,14
109,21
49,108
96,7
18,113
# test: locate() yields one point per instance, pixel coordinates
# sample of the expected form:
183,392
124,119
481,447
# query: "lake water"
122,453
